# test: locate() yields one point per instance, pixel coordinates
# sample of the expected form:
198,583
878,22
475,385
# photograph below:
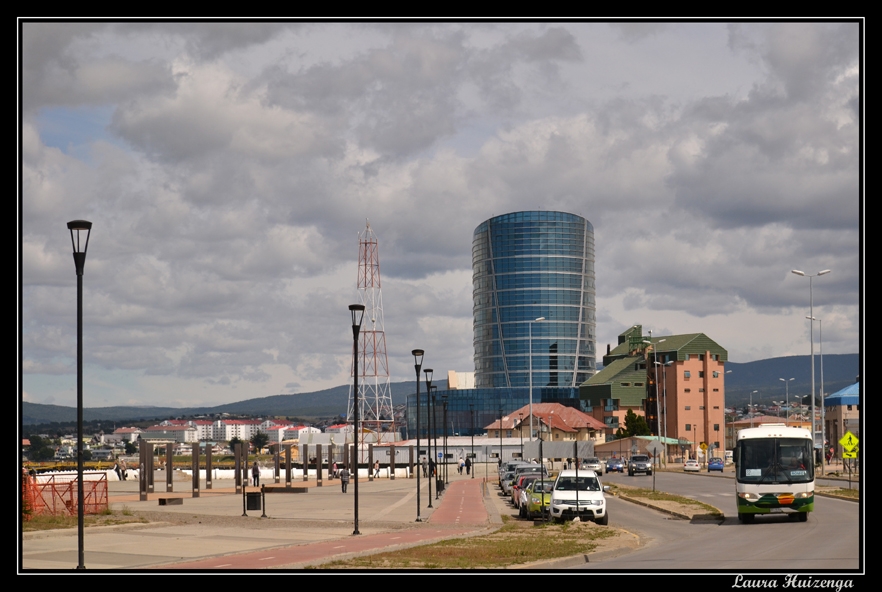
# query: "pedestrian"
334,470
122,468
425,464
432,467
461,465
468,465
117,471
376,469
255,474
344,478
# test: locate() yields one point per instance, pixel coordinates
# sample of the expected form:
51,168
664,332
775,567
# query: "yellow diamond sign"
849,441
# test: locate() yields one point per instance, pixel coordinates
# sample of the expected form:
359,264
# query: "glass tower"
527,266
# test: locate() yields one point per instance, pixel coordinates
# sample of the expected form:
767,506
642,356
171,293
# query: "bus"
774,472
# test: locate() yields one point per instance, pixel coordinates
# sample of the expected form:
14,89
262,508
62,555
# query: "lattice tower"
375,408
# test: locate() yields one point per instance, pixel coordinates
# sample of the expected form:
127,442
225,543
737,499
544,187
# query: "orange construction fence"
57,494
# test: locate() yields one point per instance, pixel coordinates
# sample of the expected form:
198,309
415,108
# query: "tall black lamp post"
446,467
80,243
429,372
357,312
417,364
500,435
472,414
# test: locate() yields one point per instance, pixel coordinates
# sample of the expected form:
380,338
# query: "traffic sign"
849,442
703,446
655,448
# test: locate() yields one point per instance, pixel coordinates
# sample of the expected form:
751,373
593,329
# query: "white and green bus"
774,472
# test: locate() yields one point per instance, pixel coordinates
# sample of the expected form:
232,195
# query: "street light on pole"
751,407
356,311
823,417
430,397
417,364
787,397
472,414
812,338
80,244
539,320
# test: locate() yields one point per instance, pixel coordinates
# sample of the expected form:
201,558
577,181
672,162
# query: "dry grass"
109,517
661,496
515,543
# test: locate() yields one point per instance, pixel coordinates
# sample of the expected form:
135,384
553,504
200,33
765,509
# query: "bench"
171,501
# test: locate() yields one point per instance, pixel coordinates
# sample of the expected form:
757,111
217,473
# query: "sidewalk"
300,530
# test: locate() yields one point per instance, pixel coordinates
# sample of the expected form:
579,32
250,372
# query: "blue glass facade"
528,265
481,404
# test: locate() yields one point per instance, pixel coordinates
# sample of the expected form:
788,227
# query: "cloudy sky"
228,169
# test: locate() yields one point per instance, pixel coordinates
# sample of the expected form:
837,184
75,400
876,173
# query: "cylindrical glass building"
527,266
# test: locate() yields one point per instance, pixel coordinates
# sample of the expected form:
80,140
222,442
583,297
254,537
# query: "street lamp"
500,435
356,311
812,338
77,227
438,482
539,320
751,407
430,397
823,417
417,363
664,367
521,430
446,467
787,397
472,414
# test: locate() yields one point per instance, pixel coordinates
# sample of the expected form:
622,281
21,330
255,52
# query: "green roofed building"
675,381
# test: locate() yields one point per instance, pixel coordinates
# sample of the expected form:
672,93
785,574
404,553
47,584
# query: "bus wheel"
745,518
803,516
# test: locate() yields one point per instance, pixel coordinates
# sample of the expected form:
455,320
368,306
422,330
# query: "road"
828,541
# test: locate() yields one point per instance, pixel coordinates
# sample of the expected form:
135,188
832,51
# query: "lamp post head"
539,320
79,243
797,272
429,372
357,313
417,358
823,272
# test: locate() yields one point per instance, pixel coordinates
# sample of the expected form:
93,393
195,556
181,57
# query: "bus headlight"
804,494
746,495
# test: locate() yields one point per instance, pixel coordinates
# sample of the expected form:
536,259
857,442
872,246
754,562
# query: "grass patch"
853,493
648,494
107,518
514,543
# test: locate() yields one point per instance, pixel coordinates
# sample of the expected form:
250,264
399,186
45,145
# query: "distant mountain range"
840,370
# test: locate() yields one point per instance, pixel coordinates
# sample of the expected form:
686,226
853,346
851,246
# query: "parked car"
639,463
691,465
519,484
538,498
579,496
715,464
592,464
615,465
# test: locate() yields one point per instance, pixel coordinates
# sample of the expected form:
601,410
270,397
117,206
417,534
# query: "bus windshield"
775,460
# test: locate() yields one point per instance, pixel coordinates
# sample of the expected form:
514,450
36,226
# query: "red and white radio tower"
375,408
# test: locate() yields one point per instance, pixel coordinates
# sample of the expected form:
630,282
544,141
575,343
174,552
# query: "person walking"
255,475
461,465
432,467
376,469
122,468
117,471
425,464
344,478
468,466
334,470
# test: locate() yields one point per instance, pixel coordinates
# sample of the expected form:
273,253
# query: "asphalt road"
828,541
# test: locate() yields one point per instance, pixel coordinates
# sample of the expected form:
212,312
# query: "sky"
228,169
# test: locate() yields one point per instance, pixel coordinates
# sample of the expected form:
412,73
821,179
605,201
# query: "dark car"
615,465
715,464
639,463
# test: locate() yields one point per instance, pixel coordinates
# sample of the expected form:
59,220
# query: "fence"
56,495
